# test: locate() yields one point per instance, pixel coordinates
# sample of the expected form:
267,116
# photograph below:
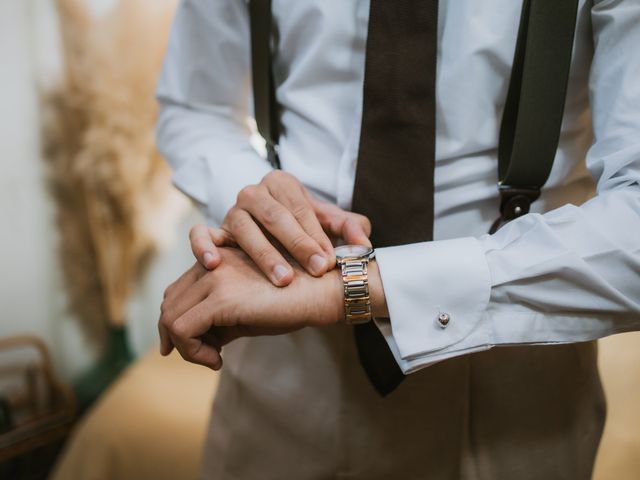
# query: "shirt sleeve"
204,91
570,275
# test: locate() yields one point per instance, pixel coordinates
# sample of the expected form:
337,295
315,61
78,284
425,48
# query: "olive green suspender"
533,110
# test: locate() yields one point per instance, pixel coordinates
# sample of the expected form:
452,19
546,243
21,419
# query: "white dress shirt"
568,275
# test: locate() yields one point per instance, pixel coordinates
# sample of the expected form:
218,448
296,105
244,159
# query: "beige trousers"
299,407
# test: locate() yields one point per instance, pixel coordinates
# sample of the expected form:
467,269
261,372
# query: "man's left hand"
203,310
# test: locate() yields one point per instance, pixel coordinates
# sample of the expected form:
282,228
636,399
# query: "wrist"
336,296
327,299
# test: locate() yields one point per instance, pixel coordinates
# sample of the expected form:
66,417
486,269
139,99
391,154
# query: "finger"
194,324
212,340
174,303
197,351
183,282
222,238
352,228
281,223
180,304
166,345
295,198
354,232
186,334
203,248
251,239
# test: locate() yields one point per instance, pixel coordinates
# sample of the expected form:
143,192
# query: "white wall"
31,293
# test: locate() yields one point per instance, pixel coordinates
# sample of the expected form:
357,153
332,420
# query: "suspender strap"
535,103
265,106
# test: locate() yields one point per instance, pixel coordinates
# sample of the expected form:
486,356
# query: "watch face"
352,251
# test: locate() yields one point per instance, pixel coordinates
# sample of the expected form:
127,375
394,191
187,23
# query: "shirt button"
443,320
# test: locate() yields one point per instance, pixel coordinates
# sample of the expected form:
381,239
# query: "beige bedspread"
149,425
152,421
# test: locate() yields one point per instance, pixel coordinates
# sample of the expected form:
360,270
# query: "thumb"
356,230
204,242
352,228
203,247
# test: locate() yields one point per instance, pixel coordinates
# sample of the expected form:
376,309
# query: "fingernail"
280,272
317,263
208,258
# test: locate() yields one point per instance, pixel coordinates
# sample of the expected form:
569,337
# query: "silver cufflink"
443,320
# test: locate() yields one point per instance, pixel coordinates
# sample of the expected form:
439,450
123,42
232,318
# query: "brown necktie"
394,176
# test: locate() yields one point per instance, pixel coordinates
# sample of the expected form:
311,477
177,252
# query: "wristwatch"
353,261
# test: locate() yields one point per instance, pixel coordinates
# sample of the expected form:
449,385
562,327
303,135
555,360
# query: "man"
300,405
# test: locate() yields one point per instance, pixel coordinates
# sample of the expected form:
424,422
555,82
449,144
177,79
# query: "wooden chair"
38,411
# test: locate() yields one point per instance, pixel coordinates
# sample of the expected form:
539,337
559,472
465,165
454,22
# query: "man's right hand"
280,208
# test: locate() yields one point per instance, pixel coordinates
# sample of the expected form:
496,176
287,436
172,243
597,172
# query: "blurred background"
91,232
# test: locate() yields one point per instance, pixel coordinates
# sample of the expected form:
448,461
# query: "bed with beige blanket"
152,422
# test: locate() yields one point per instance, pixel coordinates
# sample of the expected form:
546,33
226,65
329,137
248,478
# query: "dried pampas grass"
113,194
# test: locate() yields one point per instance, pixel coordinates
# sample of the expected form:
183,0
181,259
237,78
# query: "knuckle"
247,194
238,220
325,242
166,294
165,306
193,350
300,209
165,320
228,218
263,255
275,176
272,213
300,243
178,329
217,235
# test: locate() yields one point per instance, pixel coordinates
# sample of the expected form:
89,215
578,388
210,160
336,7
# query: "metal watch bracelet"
357,304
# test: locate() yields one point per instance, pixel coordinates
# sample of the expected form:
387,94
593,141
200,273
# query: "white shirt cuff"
423,280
